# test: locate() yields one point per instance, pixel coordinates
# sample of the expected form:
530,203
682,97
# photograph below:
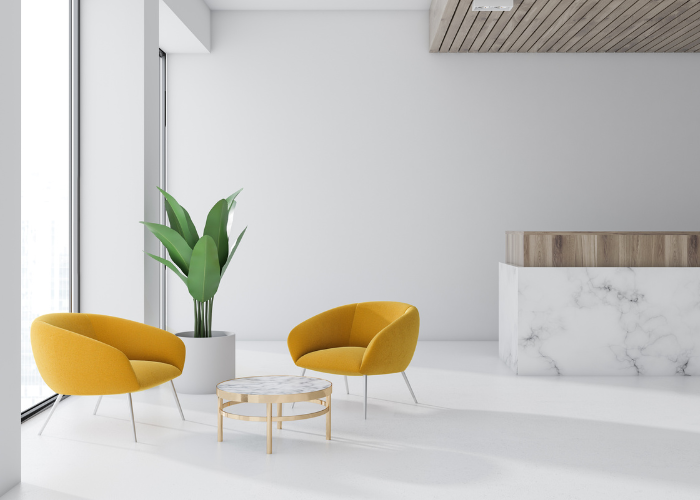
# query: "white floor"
479,432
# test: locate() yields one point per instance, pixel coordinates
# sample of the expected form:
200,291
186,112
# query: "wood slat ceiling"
567,26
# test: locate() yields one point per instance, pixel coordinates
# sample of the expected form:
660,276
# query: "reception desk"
600,303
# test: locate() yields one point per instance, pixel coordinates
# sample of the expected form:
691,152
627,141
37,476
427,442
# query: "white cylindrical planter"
208,362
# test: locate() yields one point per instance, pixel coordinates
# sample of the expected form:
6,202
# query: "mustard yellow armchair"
95,355
370,338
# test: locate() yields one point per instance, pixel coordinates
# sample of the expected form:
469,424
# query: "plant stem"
211,307
198,323
196,319
202,325
202,318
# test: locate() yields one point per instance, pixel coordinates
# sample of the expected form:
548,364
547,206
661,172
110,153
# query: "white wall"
10,253
119,113
374,170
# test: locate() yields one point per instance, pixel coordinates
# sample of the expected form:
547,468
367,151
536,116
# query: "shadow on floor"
443,447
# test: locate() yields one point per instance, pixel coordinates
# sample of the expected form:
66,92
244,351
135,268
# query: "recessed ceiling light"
492,5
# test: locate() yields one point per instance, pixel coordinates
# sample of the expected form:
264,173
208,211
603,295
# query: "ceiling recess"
566,26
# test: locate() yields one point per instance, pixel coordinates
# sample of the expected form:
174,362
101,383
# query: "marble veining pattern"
508,315
603,321
274,385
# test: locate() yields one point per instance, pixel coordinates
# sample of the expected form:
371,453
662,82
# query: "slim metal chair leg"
53,408
365,397
177,400
347,388
133,424
99,400
409,387
303,371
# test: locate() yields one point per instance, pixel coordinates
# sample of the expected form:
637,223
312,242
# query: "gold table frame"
233,398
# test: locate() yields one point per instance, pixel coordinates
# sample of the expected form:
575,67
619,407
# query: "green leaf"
177,247
179,219
216,228
233,250
172,219
231,199
170,266
193,230
204,277
229,225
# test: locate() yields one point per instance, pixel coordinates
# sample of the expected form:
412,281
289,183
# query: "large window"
46,174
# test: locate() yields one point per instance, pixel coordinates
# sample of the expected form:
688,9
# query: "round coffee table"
269,390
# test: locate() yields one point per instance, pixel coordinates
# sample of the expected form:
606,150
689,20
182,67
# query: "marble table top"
273,385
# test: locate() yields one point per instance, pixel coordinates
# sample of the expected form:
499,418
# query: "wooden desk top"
603,249
605,232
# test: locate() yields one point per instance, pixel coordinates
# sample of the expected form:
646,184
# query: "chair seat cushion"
338,360
153,373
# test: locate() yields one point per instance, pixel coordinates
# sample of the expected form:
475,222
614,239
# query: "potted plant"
201,263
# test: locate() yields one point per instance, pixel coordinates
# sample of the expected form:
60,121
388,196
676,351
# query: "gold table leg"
328,418
269,428
224,400
220,421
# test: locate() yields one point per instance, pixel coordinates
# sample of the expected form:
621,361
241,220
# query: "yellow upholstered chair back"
76,323
90,354
387,330
371,318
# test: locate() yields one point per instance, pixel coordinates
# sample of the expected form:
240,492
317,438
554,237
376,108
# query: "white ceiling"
318,4
174,36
